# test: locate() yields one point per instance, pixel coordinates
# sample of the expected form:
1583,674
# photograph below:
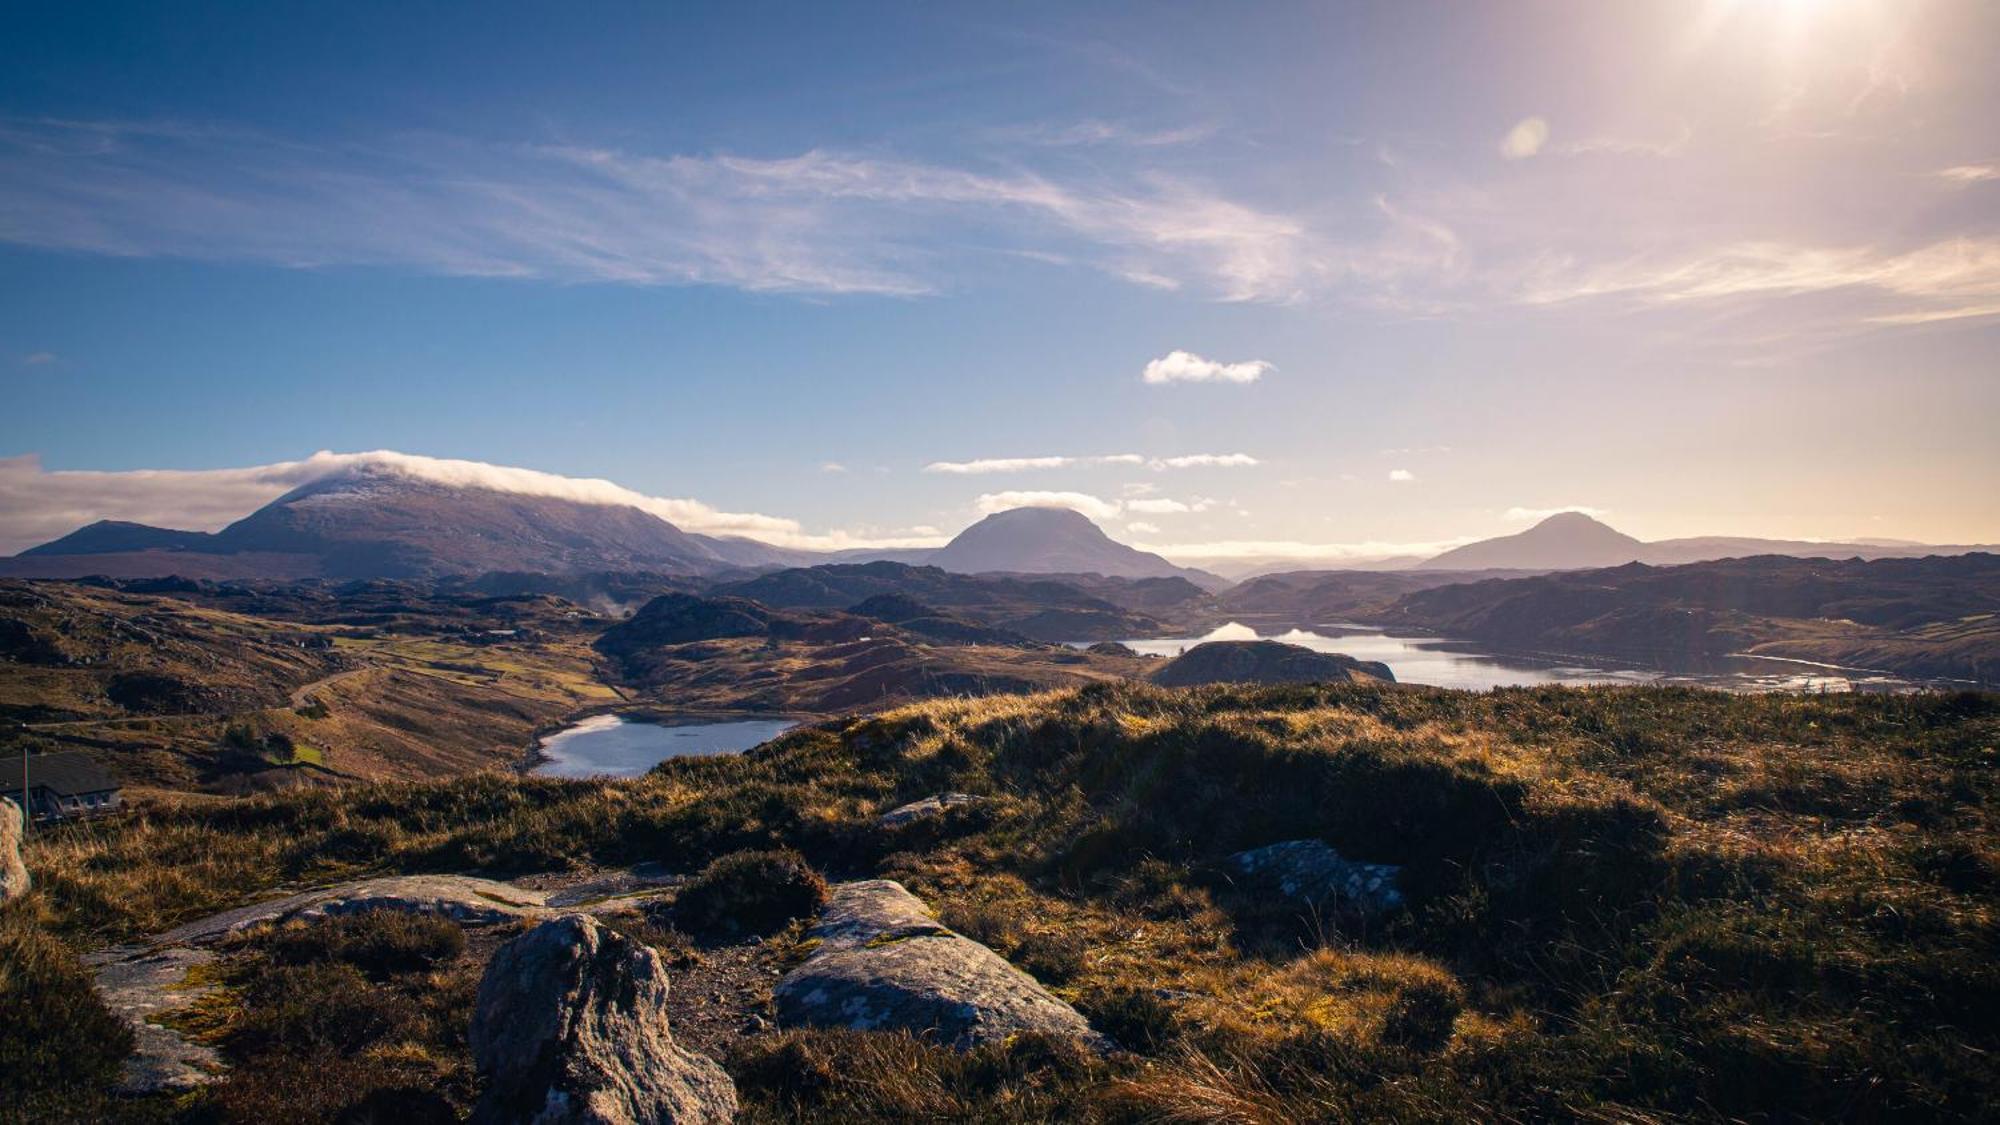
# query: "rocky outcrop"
1310,871
930,808
1265,662
14,880
463,899
571,1026
142,986
883,963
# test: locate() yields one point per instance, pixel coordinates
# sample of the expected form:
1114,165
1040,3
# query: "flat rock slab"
927,809
884,963
1310,871
464,899
142,986
631,881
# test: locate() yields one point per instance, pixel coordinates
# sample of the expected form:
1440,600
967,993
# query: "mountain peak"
1571,519
1563,541
1048,541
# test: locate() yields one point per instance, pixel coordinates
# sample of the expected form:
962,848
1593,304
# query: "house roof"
67,774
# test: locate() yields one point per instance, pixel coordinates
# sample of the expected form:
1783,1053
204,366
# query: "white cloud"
1539,514
1028,464
1031,464
1156,507
1525,139
37,505
1186,367
1092,506
1204,461
1401,476
1141,527
832,467
817,222
1970,173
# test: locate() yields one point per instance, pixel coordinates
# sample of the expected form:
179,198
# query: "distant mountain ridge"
1575,541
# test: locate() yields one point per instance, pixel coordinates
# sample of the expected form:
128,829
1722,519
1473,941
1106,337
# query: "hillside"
1935,617
1306,598
727,653
166,691
1615,905
1057,608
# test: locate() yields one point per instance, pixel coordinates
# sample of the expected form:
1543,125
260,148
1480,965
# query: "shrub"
755,892
60,1047
380,943
1422,1015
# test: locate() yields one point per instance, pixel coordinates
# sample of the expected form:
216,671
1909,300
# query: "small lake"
616,746
1442,662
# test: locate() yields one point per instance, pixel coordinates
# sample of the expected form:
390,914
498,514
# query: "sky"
1313,281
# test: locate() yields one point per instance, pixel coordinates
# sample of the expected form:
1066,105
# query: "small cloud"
38,359
1203,461
1539,514
999,465
1401,476
833,467
1525,139
1970,173
1157,507
1186,367
1140,488
1027,464
1089,505
1141,527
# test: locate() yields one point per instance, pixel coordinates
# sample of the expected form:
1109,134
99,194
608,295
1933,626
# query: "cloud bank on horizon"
38,505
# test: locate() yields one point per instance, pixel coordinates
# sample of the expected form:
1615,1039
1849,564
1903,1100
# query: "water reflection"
616,746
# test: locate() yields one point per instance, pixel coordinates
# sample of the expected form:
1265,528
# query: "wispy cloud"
1179,366
1204,461
1092,131
1401,476
819,222
1095,507
1970,173
38,504
987,465
38,359
1945,280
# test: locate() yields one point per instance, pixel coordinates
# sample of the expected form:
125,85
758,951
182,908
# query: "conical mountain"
1564,541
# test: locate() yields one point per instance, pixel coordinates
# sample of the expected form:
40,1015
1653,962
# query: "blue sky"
868,270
